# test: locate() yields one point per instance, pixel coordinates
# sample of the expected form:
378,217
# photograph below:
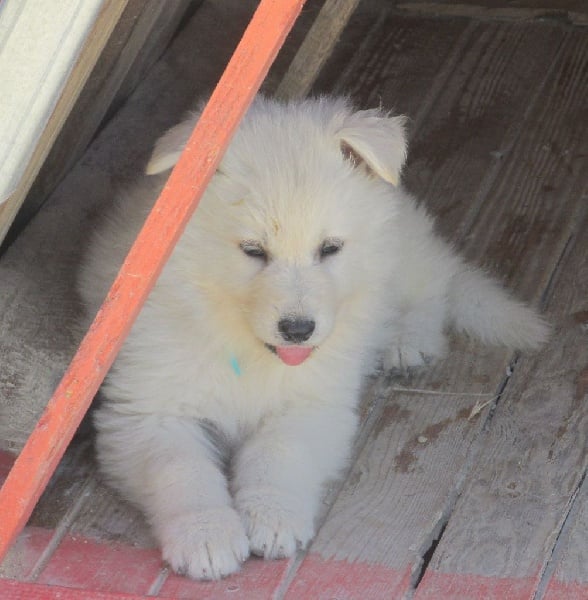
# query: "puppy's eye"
329,247
253,249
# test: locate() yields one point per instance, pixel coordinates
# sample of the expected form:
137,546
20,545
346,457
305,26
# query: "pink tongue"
293,355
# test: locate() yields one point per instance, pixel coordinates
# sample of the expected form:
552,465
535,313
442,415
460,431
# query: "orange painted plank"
231,98
448,586
15,590
326,579
559,590
258,579
83,563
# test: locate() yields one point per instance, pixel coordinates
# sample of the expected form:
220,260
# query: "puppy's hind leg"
169,468
416,336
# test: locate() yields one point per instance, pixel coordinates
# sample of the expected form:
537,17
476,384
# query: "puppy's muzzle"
296,330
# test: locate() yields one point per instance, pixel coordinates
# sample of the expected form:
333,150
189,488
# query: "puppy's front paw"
277,525
207,544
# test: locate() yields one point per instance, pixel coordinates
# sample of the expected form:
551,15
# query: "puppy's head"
290,238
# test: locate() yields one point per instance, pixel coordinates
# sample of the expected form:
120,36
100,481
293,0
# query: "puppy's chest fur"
221,386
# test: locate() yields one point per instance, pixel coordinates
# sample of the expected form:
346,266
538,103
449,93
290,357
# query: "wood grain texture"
341,580
25,553
533,457
573,566
475,120
394,62
257,580
16,590
540,191
84,564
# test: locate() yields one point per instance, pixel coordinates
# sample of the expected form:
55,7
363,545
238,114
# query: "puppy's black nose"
296,329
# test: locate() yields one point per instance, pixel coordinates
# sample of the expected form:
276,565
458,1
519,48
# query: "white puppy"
234,398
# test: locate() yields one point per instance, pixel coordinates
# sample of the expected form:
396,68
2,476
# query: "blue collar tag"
235,365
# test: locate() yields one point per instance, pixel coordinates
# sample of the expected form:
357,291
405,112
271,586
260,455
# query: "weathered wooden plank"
103,516
407,478
530,463
85,564
381,56
257,580
25,553
88,563
6,462
532,459
541,184
477,118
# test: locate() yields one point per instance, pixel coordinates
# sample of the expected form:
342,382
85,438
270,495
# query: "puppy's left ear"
377,140
169,146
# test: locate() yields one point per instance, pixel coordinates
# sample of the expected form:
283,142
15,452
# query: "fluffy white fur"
223,445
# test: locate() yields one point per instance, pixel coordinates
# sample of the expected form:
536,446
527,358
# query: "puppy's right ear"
169,146
377,141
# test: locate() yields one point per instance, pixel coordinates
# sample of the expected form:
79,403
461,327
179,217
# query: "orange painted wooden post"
33,468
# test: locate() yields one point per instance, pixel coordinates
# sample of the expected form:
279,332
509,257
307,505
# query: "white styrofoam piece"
40,41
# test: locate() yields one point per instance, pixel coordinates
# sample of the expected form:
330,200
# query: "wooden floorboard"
475,120
395,61
541,190
532,457
452,491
